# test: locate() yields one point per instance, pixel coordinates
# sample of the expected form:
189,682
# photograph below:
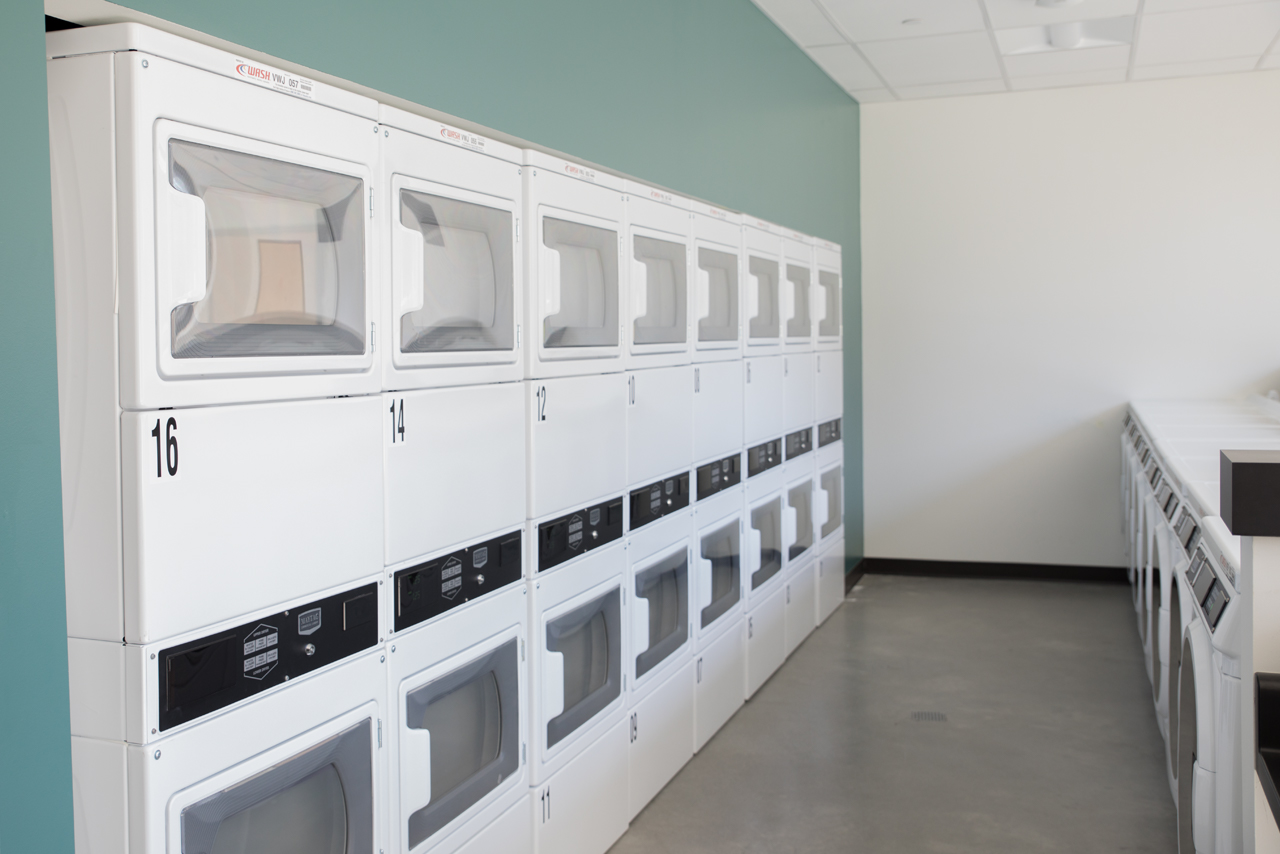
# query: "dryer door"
828,305
763,324
720,572
659,294
661,618
766,541
717,297
578,272
800,527
584,659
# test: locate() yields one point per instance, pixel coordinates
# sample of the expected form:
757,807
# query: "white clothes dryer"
718,618
828,506
660,404
831,578
717,424
1168,554
762,401
828,305
764,556
716,314
799,377
801,597
454,466
303,769
655,273
577,439
573,310
579,738
828,403
457,723
796,303
763,284
449,227
799,543
660,663
213,226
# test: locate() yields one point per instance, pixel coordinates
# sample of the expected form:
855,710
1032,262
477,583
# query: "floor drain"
938,717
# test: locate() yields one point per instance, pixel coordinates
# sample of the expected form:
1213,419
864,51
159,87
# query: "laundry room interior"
694,425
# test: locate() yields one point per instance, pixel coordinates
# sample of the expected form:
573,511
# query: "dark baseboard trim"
974,569
853,572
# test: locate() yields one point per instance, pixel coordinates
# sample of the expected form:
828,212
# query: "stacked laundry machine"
421,492
1194,608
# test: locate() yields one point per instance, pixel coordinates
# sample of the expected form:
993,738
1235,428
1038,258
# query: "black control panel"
720,475
799,442
658,499
578,532
431,588
211,673
828,432
1187,530
763,457
1209,593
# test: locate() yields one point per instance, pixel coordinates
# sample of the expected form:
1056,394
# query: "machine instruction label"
279,81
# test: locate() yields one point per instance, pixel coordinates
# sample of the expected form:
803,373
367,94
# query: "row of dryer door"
224,239
540,716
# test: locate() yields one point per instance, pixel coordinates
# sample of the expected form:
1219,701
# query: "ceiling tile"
1194,69
1156,7
1272,60
943,90
872,96
802,21
1079,78
845,66
874,20
1203,34
936,59
1025,13
1067,61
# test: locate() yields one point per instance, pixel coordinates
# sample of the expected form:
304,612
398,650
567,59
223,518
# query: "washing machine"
828,306
212,226
298,769
799,541
660,663
764,556
449,207
1169,503
719,622
718,390
655,276
796,303
660,403
763,398
458,706
579,740
831,577
764,270
577,442
716,314
799,376
1211,744
573,310
1182,538
829,517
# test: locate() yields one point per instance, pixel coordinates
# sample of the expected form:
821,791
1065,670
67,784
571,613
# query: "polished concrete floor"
1049,741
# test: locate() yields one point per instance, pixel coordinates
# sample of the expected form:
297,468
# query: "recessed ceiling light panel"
1074,35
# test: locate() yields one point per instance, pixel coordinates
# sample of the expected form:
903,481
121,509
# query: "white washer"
660,664
660,403
458,726
716,314
797,292
157,165
1210,753
306,765
574,318
579,737
828,403
799,379
718,618
764,270
831,578
656,270
763,400
764,556
717,425
450,203
828,300
799,543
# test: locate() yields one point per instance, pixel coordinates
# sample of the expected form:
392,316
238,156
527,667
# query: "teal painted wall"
35,753
706,97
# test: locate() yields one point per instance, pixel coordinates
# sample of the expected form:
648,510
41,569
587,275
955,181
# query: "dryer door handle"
188,249
754,541
639,290
703,308
415,769
639,625
552,685
408,271
550,284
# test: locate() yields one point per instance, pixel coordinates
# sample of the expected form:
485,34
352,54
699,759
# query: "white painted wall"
1032,261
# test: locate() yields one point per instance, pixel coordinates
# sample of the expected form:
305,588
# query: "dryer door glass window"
579,285
659,292
832,485
766,522
467,286
717,295
799,325
800,500
586,643
664,590
763,278
722,549
317,802
284,250
829,282
471,720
